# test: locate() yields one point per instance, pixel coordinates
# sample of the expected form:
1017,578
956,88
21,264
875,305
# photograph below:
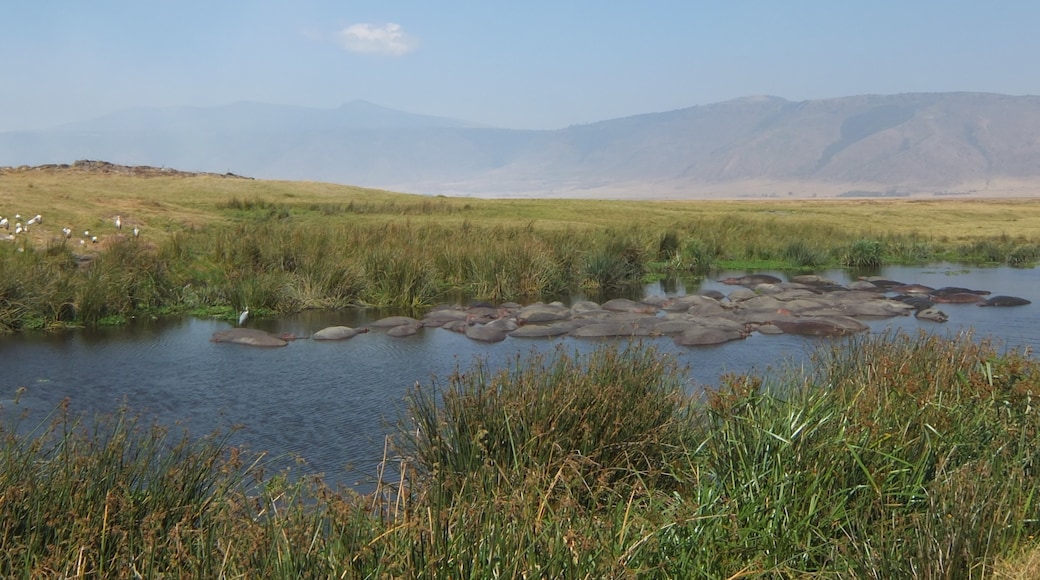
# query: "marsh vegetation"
892,456
213,246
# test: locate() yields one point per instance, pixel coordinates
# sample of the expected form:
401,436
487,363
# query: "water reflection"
333,402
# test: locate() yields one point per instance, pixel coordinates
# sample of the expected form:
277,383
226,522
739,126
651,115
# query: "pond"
333,403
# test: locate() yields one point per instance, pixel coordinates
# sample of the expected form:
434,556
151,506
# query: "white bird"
18,229
5,224
67,232
93,239
86,233
119,222
137,231
243,316
32,221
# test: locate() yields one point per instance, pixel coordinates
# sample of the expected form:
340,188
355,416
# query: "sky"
524,65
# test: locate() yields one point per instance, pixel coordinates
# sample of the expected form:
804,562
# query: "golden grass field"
164,204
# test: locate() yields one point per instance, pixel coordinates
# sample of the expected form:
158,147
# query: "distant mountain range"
872,145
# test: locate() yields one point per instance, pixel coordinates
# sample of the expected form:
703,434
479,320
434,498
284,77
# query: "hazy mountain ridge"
918,142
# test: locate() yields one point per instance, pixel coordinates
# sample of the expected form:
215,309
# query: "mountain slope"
921,142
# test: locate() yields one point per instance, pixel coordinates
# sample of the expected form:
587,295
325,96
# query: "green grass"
888,457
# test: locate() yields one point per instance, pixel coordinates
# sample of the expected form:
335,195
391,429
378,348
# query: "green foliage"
863,254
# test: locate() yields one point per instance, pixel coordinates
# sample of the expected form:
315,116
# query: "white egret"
119,222
31,221
243,316
5,224
86,233
137,231
93,239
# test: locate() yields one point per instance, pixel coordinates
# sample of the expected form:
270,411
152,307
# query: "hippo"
916,300
337,333
1004,301
403,330
957,298
881,282
912,289
248,337
820,326
947,290
485,333
933,314
392,321
751,280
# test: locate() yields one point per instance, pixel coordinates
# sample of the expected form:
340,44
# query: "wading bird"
243,316
137,231
119,222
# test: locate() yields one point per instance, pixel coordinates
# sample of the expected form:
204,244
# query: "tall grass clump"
694,255
900,456
863,253
802,255
549,411
619,262
108,499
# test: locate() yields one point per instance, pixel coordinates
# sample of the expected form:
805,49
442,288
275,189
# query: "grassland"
214,245
888,457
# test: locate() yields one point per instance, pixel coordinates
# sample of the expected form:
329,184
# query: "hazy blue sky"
531,64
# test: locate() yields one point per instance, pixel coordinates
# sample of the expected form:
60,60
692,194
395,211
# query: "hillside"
873,145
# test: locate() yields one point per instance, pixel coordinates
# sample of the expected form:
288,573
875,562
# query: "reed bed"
890,456
277,264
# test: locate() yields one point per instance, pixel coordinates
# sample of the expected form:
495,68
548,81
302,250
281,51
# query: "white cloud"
387,39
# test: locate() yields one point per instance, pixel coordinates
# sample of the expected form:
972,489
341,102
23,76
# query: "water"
332,403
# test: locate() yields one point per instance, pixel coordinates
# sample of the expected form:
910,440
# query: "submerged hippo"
1004,301
248,337
752,280
337,333
948,290
957,298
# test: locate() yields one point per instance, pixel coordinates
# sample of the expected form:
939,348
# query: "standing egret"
137,231
243,316
5,224
93,239
119,222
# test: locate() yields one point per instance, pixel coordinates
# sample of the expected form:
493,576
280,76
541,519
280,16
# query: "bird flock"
14,227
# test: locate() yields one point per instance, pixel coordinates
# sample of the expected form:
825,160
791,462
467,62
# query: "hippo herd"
806,305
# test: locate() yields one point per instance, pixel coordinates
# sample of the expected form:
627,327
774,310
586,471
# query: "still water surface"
332,403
